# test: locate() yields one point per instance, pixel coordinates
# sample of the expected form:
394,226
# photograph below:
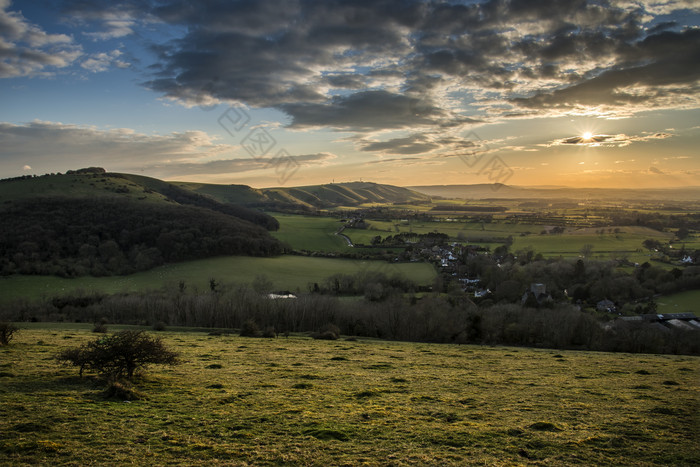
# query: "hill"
307,197
98,223
500,191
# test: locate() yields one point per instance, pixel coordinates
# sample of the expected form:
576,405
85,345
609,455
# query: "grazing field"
682,302
626,241
285,272
242,401
311,233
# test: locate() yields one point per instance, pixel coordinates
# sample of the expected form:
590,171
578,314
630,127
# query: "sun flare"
587,135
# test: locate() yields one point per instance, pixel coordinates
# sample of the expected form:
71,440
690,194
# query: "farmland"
241,401
285,272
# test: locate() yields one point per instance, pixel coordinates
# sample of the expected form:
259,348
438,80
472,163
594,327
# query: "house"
279,295
482,293
606,305
536,295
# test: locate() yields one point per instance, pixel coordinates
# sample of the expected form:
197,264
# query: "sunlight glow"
587,135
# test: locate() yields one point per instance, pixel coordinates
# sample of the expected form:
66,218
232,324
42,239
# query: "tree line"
72,237
431,318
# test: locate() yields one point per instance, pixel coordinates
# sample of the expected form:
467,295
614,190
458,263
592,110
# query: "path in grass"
240,401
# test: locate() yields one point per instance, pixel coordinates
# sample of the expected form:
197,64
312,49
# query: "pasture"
285,272
243,401
312,233
627,241
682,302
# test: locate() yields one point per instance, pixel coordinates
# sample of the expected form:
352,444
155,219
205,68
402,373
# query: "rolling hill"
98,223
500,191
308,197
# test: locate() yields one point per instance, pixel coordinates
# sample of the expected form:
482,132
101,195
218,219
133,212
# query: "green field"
627,242
296,401
680,303
312,233
285,272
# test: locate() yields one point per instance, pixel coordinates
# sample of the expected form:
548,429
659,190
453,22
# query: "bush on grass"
7,332
119,355
327,332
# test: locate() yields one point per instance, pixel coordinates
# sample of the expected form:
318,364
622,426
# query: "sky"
293,92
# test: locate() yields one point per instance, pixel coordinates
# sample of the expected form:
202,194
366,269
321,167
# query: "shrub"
159,326
99,327
328,332
269,332
250,329
120,354
7,332
124,392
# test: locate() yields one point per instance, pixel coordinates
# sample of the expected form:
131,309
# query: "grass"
285,272
682,302
294,401
311,233
627,242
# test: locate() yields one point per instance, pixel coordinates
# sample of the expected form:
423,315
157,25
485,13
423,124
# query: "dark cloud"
366,110
373,65
414,144
619,140
668,59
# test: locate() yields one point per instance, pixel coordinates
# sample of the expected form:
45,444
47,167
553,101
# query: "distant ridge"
331,195
499,191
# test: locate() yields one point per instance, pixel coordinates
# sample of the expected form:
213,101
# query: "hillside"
97,223
499,191
307,197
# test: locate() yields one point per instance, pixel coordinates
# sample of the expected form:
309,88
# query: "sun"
587,136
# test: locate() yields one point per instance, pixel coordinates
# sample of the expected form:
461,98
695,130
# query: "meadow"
626,242
285,272
683,302
312,233
298,401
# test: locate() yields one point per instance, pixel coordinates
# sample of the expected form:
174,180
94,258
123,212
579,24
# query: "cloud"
390,64
413,144
28,50
103,61
654,170
41,141
114,28
52,144
421,143
367,110
619,140
238,165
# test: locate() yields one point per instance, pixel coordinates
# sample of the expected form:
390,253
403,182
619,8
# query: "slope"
92,222
308,197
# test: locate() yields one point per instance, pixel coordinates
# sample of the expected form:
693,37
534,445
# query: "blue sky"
576,93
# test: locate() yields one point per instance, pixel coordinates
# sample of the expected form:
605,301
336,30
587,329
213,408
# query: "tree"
586,250
120,354
261,284
682,233
651,244
7,331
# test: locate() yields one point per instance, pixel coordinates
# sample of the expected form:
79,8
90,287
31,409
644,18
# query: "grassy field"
296,401
285,272
311,233
680,303
628,241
